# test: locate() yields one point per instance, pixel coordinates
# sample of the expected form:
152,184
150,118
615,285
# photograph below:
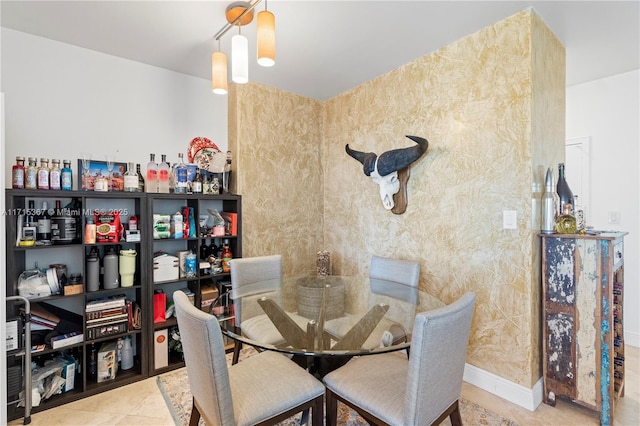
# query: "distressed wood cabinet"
583,346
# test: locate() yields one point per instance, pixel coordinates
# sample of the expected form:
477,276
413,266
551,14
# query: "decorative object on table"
390,171
566,222
549,202
323,264
98,172
206,155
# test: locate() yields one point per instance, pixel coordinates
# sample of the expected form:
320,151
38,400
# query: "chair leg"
195,414
317,411
236,352
456,419
332,408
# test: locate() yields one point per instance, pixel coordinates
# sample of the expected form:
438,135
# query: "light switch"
614,218
509,219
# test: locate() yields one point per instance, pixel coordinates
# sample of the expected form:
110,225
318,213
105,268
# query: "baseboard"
632,338
505,389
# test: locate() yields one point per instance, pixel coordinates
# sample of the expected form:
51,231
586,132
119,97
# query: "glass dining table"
324,320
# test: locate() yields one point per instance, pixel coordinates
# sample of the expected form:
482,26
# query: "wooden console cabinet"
583,345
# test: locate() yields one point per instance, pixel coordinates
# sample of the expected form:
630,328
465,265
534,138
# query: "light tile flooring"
142,404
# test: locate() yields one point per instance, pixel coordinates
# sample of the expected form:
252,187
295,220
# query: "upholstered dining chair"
251,279
262,390
389,389
395,283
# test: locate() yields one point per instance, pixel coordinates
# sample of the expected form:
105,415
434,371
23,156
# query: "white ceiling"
326,47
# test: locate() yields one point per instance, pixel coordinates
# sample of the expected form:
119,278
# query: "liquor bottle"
54,175
196,187
549,202
31,175
93,363
43,233
163,175
226,175
563,190
226,257
215,187
43,174
31,218
581,223
130,179
566,222
66,176
152,175
181,176
140,178
18,174
206,184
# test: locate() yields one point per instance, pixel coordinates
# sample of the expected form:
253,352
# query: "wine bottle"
140,178
564,192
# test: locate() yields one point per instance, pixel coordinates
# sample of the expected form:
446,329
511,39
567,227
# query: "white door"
577,172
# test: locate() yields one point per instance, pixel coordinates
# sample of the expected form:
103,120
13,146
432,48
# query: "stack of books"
42,319
108,316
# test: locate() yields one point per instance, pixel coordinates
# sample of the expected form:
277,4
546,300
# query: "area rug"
175,390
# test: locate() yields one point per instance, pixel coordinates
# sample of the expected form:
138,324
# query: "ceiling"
327,47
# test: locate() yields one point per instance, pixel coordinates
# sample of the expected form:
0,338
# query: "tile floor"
142,404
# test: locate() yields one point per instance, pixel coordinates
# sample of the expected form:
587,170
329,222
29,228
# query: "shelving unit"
74,255
583,344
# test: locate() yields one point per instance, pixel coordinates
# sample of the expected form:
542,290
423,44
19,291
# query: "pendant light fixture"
238,14
266,38
219,72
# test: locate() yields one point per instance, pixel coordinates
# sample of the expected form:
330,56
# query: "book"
39,327
38,348
106,303
107,330
104,313
108,320
39,311
67,339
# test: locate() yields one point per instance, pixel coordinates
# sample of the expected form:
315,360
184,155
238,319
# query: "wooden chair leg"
317,412
195,414
332,408
236,352
456,419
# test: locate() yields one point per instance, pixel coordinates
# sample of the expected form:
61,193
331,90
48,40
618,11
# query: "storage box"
161,348
165,268
107,362
208,295
68,372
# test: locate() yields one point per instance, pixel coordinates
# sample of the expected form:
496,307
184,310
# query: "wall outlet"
509,219
614,218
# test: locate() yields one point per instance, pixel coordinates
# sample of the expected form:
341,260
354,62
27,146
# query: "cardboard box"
13,334
68,373
107,362
207,295
161,348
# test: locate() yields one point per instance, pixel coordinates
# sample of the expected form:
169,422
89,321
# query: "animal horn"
368,159
396,159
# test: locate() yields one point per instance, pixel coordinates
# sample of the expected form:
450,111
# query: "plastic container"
126,362
127,267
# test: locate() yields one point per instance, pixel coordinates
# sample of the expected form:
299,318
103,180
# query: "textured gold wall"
474,100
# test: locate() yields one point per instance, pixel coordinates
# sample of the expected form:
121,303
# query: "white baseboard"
632,338
505,389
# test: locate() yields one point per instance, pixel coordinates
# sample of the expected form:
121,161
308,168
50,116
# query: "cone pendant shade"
219,73
239,59
266,38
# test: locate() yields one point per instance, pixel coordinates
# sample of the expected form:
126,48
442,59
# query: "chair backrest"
206,362
253,276
436,362
395,283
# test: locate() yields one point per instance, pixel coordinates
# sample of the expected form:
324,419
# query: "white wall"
608,111
61,99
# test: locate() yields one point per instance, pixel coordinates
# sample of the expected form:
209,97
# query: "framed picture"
98,169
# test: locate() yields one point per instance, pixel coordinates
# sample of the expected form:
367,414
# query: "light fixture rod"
228,25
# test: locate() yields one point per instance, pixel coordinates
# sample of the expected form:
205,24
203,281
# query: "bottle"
163,175
140,178
196,187
44,225
152,175
31,218
89,231
93,270
226,257
54,175
127,354
206,184
43,174
226,175
31,175
130,179
549,202
66,176
18,174
190,265
181,176
93,363
110,262
563,190
215,187
581,223
566,222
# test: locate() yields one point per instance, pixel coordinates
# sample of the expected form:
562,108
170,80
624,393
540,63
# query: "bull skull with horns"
383,169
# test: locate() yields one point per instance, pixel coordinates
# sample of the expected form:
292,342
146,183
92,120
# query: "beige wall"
475,101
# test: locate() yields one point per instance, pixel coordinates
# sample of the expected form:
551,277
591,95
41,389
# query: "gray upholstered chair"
264,389
422,390
393,282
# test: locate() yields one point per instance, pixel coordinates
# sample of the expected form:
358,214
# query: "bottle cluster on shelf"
561,212
44,177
